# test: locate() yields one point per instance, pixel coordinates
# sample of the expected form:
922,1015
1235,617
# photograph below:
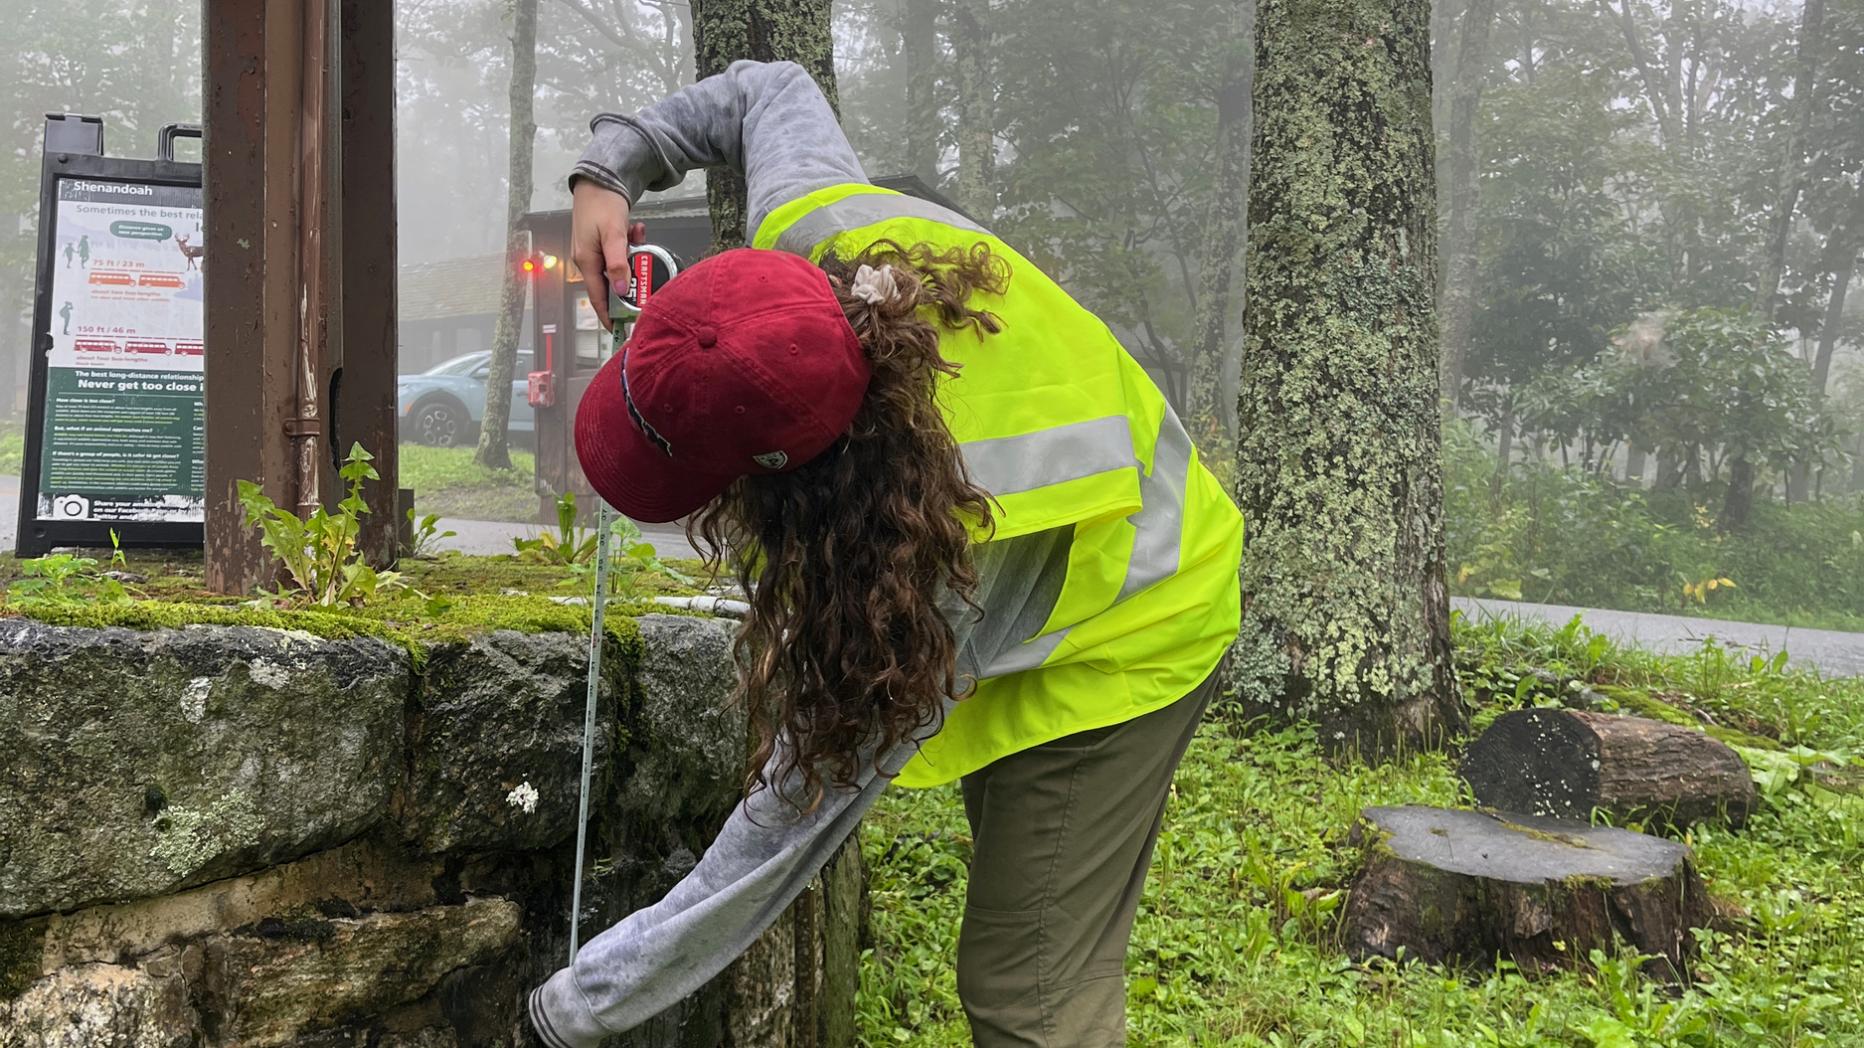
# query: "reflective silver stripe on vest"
1024,656
1160,521
864,209
1158,532
1027,461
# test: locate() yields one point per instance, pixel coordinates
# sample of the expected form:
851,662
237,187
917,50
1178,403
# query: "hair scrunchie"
874,285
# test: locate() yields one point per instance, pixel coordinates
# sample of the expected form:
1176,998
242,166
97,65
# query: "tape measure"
650,266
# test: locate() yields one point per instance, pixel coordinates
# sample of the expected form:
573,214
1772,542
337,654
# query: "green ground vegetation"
448,482
12,449
1572,536
1236,939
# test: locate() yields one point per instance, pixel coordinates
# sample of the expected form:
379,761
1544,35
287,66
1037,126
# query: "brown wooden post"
365,406
250,152
320,322
287,81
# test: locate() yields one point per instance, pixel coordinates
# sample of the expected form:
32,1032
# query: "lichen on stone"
194,837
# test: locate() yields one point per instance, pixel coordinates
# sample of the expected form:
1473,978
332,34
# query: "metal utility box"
570,344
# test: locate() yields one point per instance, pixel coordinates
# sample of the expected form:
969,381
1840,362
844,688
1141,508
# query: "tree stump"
1565,763
1465,886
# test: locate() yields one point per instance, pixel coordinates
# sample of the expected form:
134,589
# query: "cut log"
1466,886
1566,763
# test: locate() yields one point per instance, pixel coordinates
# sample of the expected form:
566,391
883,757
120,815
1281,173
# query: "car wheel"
441,423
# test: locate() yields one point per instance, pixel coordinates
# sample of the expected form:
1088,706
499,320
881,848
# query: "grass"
447,481
1229,950
12,449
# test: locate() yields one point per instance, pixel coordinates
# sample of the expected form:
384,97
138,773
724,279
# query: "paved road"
1837,654
475,536
491,536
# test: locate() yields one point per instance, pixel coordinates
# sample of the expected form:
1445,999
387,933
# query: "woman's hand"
599,237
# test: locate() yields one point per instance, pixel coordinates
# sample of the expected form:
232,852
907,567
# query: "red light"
529,265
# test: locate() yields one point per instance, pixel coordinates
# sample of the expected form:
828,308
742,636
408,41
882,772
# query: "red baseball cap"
742,364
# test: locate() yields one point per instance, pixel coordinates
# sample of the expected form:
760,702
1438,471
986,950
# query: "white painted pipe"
723,607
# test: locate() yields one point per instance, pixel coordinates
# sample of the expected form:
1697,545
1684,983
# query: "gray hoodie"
771,122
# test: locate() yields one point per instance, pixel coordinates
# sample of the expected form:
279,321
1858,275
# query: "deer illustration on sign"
190,253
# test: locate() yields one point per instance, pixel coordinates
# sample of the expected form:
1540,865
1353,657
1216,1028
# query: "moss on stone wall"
450,600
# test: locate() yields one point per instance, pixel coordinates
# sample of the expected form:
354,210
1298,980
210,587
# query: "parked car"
445,404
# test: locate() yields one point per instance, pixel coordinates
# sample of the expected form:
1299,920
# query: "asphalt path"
1833,653
473,536
494,536
1830,652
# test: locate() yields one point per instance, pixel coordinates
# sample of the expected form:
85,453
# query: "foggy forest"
1644,222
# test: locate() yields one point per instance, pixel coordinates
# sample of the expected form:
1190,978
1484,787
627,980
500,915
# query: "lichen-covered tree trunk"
1339,456
1459,277
976,131
725,31
493,450
1212,423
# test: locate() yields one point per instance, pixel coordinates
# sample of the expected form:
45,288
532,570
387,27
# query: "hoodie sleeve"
767,854
768,120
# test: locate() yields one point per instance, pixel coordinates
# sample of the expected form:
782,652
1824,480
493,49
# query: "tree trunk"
920,37
1792,168
1504,454
1339,458
1740,500
1444,885
494,449
1738,503
1211,418
1460,274
725,31
1636,459
1443,19
976,127
1567,764
1841,254
1841,262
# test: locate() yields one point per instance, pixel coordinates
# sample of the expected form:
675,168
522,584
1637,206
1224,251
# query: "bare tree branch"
595,22
1653,86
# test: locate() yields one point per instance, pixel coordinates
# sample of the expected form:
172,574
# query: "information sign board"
115,433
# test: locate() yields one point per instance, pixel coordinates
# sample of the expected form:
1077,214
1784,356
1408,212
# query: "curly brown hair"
845,651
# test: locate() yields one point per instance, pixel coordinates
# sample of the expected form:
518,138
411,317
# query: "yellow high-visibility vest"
1064,428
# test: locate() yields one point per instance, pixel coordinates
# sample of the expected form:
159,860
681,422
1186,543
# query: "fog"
1618,183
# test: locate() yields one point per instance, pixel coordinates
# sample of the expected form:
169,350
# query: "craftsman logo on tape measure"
643,278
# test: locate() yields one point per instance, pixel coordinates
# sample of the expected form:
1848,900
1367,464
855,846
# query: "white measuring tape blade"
597,605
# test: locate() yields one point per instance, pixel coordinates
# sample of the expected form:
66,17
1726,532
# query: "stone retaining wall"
223,836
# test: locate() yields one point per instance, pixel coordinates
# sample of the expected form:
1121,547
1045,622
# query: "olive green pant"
1064,833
